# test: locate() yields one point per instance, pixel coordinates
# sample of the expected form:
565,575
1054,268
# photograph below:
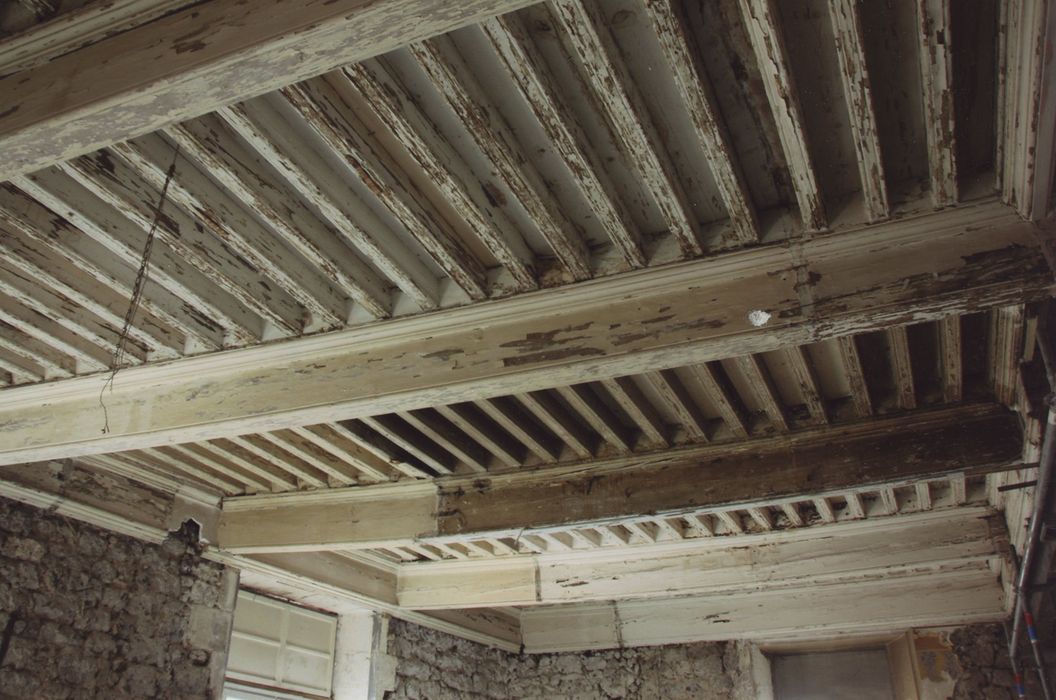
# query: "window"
279,651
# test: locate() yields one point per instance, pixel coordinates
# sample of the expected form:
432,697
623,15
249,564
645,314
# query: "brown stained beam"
630,398
678,46
148,77
857,91
584,31
525,66
327,108
764,31
961,260
439,60
852,366
901,367
762,384
951,358
382,96
936,77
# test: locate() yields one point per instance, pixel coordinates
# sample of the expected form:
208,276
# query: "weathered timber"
825,555
972,440
197,59
964,260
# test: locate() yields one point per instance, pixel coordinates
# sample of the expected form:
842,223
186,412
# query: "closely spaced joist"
523,63
597,415
67,197
440,61
97,294
305,170
674,394
584,31
147,77
695,90
440,430
629,397
557,419
233,166
48,328
189,190
968,258
326,107
261,468
857,91
484,431
901,367
380,94
135,201
723,396
273,456
936,76
520,425
372,442
396,430
764,31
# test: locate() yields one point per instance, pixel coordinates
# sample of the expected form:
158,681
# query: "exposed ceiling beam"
923,268
963,595
826,555
972,440
197,59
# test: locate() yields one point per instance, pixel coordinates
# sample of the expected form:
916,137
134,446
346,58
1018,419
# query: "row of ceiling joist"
555,144
974,357
865,503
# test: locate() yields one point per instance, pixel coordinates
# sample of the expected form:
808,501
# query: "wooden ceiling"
506,253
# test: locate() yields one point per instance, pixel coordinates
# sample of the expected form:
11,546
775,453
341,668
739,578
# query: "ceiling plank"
154,75
961,260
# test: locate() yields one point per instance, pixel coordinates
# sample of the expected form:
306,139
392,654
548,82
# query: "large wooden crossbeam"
967,440
197,59
819,556
917,269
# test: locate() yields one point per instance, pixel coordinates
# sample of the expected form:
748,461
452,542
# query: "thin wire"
117,359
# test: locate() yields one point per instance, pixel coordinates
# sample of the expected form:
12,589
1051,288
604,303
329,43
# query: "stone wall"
431,665
88,613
